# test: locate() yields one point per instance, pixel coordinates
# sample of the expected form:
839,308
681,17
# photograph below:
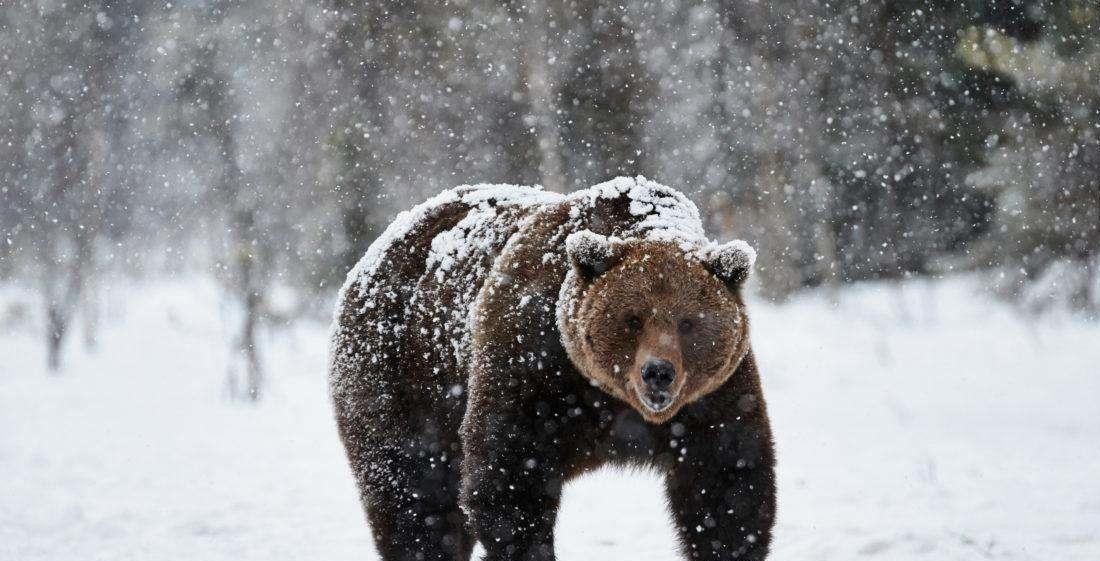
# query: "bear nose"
658,374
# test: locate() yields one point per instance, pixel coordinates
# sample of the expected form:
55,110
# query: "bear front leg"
512,487
721,490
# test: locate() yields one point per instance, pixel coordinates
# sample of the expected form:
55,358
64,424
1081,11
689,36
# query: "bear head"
657,324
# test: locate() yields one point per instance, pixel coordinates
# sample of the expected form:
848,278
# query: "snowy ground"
943,428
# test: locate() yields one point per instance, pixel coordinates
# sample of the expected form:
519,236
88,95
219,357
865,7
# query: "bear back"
406,306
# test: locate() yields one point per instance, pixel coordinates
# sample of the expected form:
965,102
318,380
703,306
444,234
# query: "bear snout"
658,375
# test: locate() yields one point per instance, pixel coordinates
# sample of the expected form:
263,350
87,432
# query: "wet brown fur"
654,283
500,430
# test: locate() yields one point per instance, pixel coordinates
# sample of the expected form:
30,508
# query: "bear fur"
489,347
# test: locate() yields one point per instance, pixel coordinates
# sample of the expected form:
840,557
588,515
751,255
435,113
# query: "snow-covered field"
921,422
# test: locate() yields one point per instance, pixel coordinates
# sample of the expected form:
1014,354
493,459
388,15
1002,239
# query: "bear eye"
685,326
633,322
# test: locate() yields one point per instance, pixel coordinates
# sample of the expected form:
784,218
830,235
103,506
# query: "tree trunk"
238,198
828,264
246,293
779,274
541,96
93,212
607,100
61,287
60,307
250,298
1084,297
89,314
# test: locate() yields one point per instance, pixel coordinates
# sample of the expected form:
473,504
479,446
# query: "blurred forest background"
268,143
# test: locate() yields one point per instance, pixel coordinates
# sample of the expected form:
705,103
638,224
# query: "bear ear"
731,262
591,254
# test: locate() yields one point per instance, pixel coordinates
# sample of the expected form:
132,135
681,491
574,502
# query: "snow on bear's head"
656,324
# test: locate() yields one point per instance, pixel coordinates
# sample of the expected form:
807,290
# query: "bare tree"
537,83
74,203
211,88
66,240
607,97
63,267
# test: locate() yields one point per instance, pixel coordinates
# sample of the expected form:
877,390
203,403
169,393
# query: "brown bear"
497,341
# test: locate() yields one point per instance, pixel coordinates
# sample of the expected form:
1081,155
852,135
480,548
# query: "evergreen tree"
1045,167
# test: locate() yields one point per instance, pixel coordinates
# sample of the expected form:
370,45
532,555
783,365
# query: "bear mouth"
655,400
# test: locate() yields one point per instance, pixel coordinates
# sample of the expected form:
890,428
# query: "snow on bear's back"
427,260
659,212
483,199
